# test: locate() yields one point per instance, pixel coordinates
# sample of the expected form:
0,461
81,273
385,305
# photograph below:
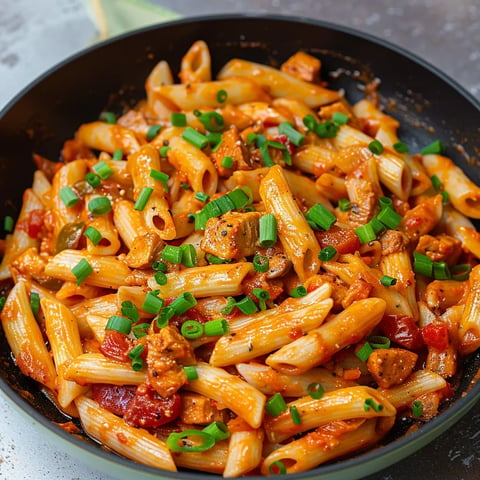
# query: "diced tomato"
114,398
402,330
116,345
284,140
33,223
149,410
193,313
436,335
344,240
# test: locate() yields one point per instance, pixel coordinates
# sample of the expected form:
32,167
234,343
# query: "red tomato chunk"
402,330
436,336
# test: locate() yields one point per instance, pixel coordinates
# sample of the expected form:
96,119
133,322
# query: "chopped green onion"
3,300
315,390
82,270
136,356
461,272
385,202
197,139
246,305
265,154
422,264
214,260
268,230
326,129
34,303
160,278
192,329
222,96
388,281
152,303
260,263
262,295
310,122
277,468
377,225
160,176
375,147
119,324
160,266
68,197
212,121
436,148
218,430
389,217
99,205
130,311
191,372
103,170
215,140
436,182
364,352
287,129
183,302
279,146
445,197
117,154
178,119
321,217
176,442
327,253
189,255
370,403
295,415
417,408
140,329
164,316
231,304
8,223
185,186
340,118
366,233
344,205
108,117
143,198
227,162
164,150
275,405
172,253
153,131
93,235
400,147
240,197
216,327
441,271
378,341
298,292
202,197
93,180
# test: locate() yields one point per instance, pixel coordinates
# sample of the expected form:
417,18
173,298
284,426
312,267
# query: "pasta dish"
244,274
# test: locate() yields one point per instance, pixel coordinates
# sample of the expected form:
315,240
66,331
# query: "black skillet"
112,75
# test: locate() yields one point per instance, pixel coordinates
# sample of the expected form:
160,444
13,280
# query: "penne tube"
136,295
236,394
469,330
71,293
129,222
196,64
244,452
318,346
212,460
264,336
110,243
331,186
97,324
25,338
108,272
41,187
279,84
223,280
294,232
314,159
132,442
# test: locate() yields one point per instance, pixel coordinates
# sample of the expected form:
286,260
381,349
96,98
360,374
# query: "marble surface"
36,34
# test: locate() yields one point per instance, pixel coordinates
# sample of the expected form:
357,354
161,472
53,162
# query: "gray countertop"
36,34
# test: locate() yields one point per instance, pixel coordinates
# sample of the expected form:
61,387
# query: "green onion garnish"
246,305
441,271
310,122
93,179
218,430
344,205
370,403
461,272
364,352
140,330
99,205
216,327
164,150
160,278
222,96
227,162
164,316
298,292
385,202
202,197
192,329
153,131
130,311
197,139
417,408
400,147
366,233
191,372
108,117
287,129
68,196
215,140
135,355
265,154
268,230
160,266
214,260
212,121
183,302
320,217
422,264
160,176
117,154
8,223
119,324
389,217
3,300
231,304
326,129
240,197
275,405
436,148
261,263
103,170
277,468
93,235
82,270
143,198
172,253
445,197
189,255
178,119
176,442
295,415
327,253
34,303
375,147
340,118
152,303
262,295
378,341
388,281
315,390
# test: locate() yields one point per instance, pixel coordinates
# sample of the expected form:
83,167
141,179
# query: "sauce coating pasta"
244,274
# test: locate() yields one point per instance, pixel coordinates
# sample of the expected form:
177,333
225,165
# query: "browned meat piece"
391,366
303,66
231,146
233,235
393,241
168,351
441,248
200,410
145,249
